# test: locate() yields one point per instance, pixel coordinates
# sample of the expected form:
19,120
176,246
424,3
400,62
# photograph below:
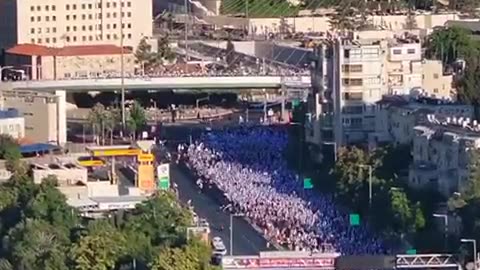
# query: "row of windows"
75,39
74,6
46,8
99,16
98,5
98,27
39,30
399,51
47,18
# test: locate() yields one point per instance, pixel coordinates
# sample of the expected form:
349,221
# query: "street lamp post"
122,68
445,230
370,191
231,231
474,242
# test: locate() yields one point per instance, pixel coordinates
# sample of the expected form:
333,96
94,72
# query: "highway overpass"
217,82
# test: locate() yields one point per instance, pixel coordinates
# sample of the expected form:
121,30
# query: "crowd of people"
247,165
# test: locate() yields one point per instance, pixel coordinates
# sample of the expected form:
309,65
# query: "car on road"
218,246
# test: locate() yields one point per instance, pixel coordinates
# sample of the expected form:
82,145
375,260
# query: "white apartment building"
75,22
441,153
397,116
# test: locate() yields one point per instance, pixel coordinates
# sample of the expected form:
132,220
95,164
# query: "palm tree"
96,118
137,119
112,118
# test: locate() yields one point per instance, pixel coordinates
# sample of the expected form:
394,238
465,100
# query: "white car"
218,246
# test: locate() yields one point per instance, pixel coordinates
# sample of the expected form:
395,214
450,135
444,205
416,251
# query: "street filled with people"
247,165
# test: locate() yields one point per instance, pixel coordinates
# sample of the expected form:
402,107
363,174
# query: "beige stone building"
435,82
70,62
75,22
44,114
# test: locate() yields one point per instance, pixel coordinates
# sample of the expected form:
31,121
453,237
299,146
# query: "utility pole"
247,17
122,68
187,15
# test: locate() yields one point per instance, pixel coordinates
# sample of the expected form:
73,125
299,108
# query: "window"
39,19
39,30
129,14
129,4
74,28
352,96
32,41
39,8
74,39
47,18
349,68
89,6
129,36
123,25
99,15
32,8
99,5
32,19
129,26
74,6
83,6
435,76
54,18
99,26
123,14
108,26
54,40
90,16
114,26
114,15
90,38
90,28
54,30
67,7
352,109
108,4
123,4
68,39
54,8
108,36
67,28
39,40
84,28
397,51
84,17
67,17
435,90
115,36
114,4
352,82
108,15
47,30
47,8
47,40
32,30
74,17
346,53
411,51
84,38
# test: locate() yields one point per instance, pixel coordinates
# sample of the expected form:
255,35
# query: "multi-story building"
435,83
349,76
441,153
44,114
12,123
397,116
70,62
77,22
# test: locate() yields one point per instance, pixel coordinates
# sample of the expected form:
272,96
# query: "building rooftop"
9,113
38,50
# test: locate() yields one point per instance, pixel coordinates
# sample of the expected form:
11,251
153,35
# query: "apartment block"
441,153
398,115
44,114
77,22
350,76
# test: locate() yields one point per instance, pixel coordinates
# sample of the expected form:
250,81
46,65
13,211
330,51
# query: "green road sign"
411,252
354,220
164,183
307,183
295,103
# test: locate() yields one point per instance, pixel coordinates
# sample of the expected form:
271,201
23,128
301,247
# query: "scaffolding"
426,261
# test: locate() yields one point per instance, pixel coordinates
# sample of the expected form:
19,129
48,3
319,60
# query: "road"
246,240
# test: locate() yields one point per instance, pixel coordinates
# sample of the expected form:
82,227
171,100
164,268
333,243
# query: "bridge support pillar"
61,116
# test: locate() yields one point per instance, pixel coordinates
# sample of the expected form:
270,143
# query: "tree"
137,119
143,54
100,249
411,20
36,244
96,118
230,54
112,118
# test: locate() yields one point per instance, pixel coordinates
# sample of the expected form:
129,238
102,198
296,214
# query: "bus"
89,161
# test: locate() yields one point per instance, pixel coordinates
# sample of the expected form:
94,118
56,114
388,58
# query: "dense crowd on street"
247,165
